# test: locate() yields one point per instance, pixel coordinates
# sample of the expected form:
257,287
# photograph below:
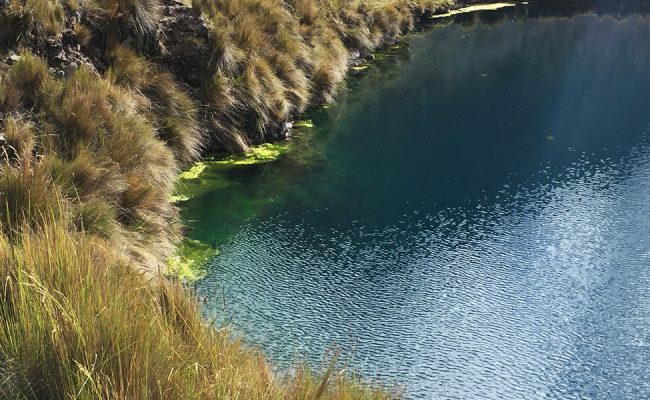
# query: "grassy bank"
102,103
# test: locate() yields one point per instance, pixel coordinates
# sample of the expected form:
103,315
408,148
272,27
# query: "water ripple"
551,300
519,268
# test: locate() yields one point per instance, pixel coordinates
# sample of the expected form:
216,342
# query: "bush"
112,146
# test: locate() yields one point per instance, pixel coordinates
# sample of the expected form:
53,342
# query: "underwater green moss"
194,172
306,123
194,181
264,153
204,179
190,260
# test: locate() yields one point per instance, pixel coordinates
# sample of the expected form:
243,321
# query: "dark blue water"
473,220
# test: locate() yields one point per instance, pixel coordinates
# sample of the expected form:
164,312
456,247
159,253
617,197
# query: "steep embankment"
111,98
101,104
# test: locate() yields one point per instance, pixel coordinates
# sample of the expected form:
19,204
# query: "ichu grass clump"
96,145
102,103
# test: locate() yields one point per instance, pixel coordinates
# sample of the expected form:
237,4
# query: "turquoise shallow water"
472,220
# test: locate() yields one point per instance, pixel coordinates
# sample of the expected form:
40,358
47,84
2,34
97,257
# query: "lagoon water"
471,220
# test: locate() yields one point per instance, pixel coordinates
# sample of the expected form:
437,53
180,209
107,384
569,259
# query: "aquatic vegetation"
264,153
192,181
190,260
228,184
194,172
307,123
361,67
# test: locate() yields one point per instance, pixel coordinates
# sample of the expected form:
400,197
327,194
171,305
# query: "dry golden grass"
103,142
35,18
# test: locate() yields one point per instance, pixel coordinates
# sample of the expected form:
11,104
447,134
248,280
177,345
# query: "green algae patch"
469,9
215,199
306,123
208,175
194,172
381,57
264,153
189,262
179,198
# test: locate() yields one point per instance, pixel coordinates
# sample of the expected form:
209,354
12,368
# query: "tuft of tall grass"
30,20
83,34
26,80
136,21
16,141
116,142
172,111
26,198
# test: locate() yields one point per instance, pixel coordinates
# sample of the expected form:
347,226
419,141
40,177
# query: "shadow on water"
470,219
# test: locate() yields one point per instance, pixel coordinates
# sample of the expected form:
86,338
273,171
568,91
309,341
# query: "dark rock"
70,69
203,30
354,56
187,40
